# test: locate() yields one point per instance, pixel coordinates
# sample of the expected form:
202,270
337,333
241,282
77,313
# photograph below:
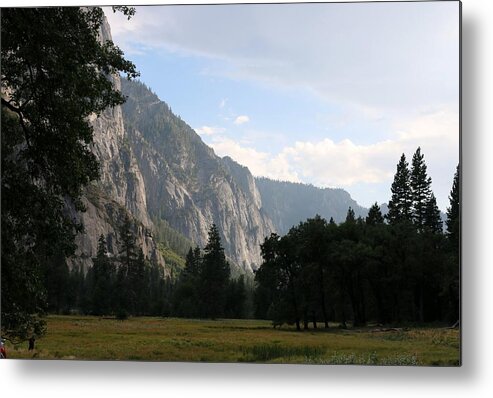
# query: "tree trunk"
322,297
305,324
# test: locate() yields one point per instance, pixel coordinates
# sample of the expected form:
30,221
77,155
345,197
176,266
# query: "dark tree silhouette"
103,273
54,75
367,269
374,215
400,203
453,211
214,276
420,190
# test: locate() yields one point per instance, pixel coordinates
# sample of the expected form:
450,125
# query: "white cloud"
241,119
344,164
222,104
388,55
208,130
259,163
327,163
382,60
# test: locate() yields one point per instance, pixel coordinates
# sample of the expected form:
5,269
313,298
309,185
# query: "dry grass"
158,339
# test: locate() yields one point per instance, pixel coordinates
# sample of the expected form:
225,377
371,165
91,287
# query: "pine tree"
102,274
451,285
214,276
453,212
125,297
433,221
192,263
186,296
189,262
401,201
420,189
137,288
128,248
374,215
350,217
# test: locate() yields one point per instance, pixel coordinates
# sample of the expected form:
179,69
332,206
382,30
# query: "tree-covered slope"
288,203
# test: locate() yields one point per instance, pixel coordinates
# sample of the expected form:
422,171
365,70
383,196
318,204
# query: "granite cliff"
119,192
188,185
156,169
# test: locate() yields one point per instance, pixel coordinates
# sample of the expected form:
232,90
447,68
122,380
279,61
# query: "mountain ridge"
154,166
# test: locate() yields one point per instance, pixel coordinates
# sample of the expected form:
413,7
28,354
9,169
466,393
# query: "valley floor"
171,339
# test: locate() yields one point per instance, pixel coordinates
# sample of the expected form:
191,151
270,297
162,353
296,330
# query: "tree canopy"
361,270
56,73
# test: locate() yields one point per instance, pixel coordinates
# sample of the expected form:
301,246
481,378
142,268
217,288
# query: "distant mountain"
288,203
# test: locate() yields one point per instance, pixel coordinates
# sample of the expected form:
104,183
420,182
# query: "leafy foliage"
55,74
363,269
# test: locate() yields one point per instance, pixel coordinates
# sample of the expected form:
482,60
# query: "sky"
327,94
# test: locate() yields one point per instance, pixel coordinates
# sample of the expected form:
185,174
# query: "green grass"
159,339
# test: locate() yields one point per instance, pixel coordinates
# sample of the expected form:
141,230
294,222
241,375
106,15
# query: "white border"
473,379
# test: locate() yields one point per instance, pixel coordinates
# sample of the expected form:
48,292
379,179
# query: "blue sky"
329,94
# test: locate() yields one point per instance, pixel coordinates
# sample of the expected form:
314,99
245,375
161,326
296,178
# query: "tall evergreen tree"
128,250
137,284
186,300
420,189
214,276
158,294
453,212
350,217
374,215
401,202
125,295
103,275
433,220
451,284
192,264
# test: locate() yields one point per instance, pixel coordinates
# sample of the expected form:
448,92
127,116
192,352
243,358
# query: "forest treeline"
130,284
122,285
400,268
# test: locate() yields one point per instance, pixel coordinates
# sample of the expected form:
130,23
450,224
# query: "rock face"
119,192
153,166
188,185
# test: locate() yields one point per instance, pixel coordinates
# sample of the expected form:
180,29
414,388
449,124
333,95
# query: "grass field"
170,339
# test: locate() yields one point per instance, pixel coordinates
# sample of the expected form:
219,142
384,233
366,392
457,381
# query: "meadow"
172,339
